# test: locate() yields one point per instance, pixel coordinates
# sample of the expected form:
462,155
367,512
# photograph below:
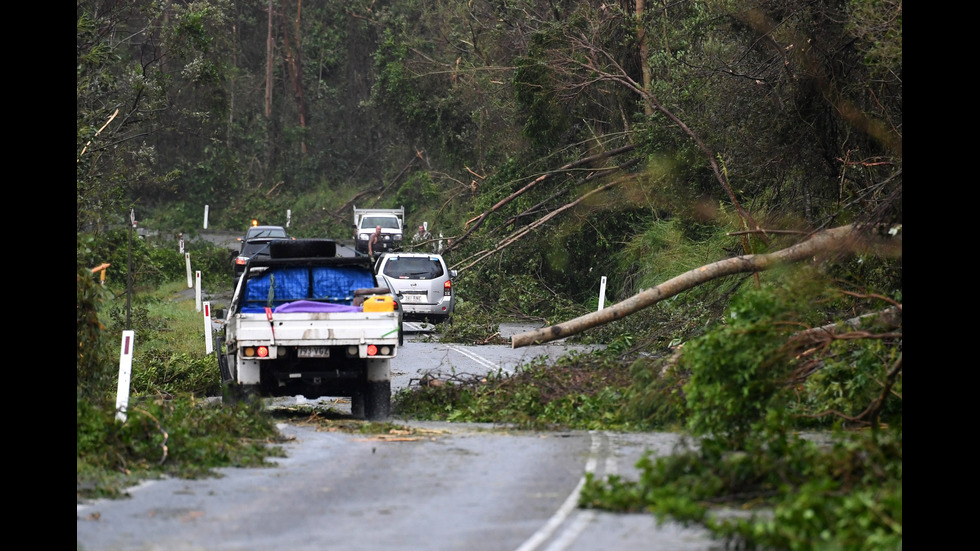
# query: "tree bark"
268,66
641,38
843,238
294,65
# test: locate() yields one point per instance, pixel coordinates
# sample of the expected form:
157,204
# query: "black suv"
256,243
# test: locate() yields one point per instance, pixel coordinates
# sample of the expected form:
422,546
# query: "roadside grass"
175,424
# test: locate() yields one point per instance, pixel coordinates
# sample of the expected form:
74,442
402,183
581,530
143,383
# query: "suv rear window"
250,249
413,267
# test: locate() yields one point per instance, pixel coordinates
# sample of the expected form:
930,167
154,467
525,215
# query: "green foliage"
738,398
878,25
546,120
848,383
797,495
471,322
93,356
736,378
575,391
123,248
214,263
170,427
178,436
424,107
411,114
655,398
848,497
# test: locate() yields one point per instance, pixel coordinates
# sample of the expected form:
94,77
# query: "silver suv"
423,282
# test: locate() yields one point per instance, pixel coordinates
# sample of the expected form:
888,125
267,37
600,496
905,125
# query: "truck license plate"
313,352
413,298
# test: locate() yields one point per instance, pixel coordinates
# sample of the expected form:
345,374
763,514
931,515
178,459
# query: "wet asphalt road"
455,487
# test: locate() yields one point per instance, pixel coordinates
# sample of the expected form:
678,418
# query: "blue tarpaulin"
334,284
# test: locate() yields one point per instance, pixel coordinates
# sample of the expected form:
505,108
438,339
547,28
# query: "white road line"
567,508
568,535
474,356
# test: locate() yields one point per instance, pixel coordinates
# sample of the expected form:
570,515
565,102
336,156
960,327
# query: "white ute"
307,322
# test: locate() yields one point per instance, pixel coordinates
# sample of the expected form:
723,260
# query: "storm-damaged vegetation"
549,144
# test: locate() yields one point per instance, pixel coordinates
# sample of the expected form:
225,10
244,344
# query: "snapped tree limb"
840,239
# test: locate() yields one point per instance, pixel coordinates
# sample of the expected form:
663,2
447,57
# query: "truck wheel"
224,360
357,404
233,393
377,400
229,389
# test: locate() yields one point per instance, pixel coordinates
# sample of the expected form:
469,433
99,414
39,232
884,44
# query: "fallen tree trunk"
843,238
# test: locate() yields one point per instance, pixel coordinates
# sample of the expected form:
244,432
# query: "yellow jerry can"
379,303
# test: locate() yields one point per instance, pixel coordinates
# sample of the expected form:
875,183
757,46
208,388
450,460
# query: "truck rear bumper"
312,378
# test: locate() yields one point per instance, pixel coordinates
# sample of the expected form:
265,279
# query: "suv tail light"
447,288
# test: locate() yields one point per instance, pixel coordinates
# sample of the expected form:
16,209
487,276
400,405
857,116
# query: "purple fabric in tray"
312,306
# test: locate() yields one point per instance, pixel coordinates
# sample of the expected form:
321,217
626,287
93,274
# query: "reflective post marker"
187,258
602,292
125,369
208,346
197,290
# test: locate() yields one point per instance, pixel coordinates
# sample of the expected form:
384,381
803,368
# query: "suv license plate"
413,298
313,352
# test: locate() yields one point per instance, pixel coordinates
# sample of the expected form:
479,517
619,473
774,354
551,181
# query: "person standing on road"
421,238
373,241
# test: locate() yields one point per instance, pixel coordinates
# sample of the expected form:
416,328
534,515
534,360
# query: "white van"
423,282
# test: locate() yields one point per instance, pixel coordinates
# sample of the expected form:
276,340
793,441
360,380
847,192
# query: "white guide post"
602,292
197,289
208,345
125,370
206,208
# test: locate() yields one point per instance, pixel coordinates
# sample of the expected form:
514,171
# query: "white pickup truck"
392,222
304,321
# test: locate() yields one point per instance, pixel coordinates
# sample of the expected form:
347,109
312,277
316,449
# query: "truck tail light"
370,351
260,351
